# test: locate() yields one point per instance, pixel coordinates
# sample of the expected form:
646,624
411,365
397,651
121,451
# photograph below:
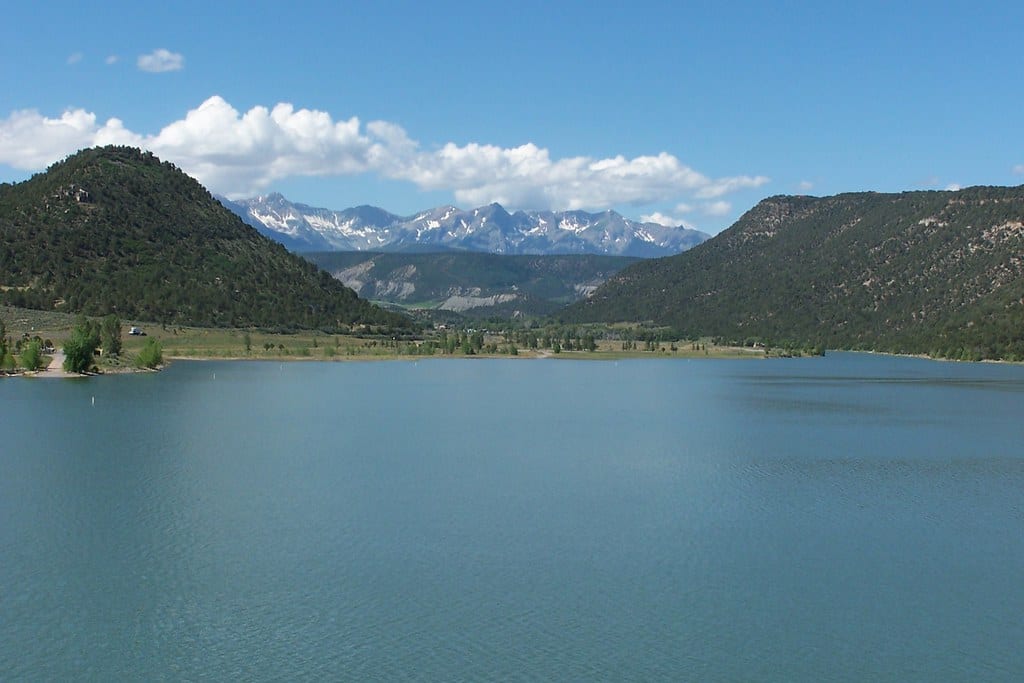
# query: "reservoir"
848,518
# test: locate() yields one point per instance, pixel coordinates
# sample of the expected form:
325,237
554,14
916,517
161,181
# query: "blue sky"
681,112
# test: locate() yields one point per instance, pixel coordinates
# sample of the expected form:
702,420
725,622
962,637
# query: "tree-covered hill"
919,272
114,229
472,283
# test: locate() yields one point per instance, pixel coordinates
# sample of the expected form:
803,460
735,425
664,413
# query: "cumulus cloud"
74,58
805,186
1019,169
240,154
161,61
30,141
111,59
953,187
527,176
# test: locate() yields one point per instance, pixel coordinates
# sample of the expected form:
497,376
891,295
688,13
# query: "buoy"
94,400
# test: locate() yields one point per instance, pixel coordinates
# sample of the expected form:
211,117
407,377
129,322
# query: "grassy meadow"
238,344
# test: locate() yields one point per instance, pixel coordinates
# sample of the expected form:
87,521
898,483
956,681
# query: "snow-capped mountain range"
488,229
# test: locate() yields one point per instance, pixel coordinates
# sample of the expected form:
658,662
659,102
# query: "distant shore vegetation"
87,342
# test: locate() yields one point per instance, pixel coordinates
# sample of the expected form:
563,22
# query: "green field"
238,344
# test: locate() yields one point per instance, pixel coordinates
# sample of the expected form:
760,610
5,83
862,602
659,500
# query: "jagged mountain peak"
489,228
274,198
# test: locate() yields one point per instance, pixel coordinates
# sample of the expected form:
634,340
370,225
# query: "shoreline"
55,370
737,353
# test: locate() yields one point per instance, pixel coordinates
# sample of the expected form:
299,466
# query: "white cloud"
526,176
719,208
805,185
935,182
160,61
111,59
241,154
29,141
722,186
74,58
662,219
1019,169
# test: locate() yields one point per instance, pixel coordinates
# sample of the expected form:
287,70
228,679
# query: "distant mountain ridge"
488,229
939,273
470,283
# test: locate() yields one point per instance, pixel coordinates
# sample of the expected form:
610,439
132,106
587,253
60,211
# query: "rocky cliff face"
481,284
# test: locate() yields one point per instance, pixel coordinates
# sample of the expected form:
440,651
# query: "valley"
116,231
473,285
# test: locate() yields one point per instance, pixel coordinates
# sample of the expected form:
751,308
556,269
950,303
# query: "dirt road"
56,367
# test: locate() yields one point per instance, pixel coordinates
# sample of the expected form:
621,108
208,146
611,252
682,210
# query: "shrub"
151,355
32,356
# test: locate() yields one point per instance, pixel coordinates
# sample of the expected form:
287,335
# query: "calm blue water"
849,518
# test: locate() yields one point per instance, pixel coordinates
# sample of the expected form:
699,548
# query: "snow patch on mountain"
484,229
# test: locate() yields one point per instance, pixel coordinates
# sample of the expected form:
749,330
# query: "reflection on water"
848,518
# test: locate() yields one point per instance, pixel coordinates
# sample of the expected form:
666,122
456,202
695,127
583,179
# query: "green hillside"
114,229
919,272
472,283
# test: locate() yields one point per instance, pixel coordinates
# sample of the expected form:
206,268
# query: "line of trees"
25,353
88,336
86,339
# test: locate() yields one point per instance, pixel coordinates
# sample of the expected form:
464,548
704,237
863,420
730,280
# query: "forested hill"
114,229
918,272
